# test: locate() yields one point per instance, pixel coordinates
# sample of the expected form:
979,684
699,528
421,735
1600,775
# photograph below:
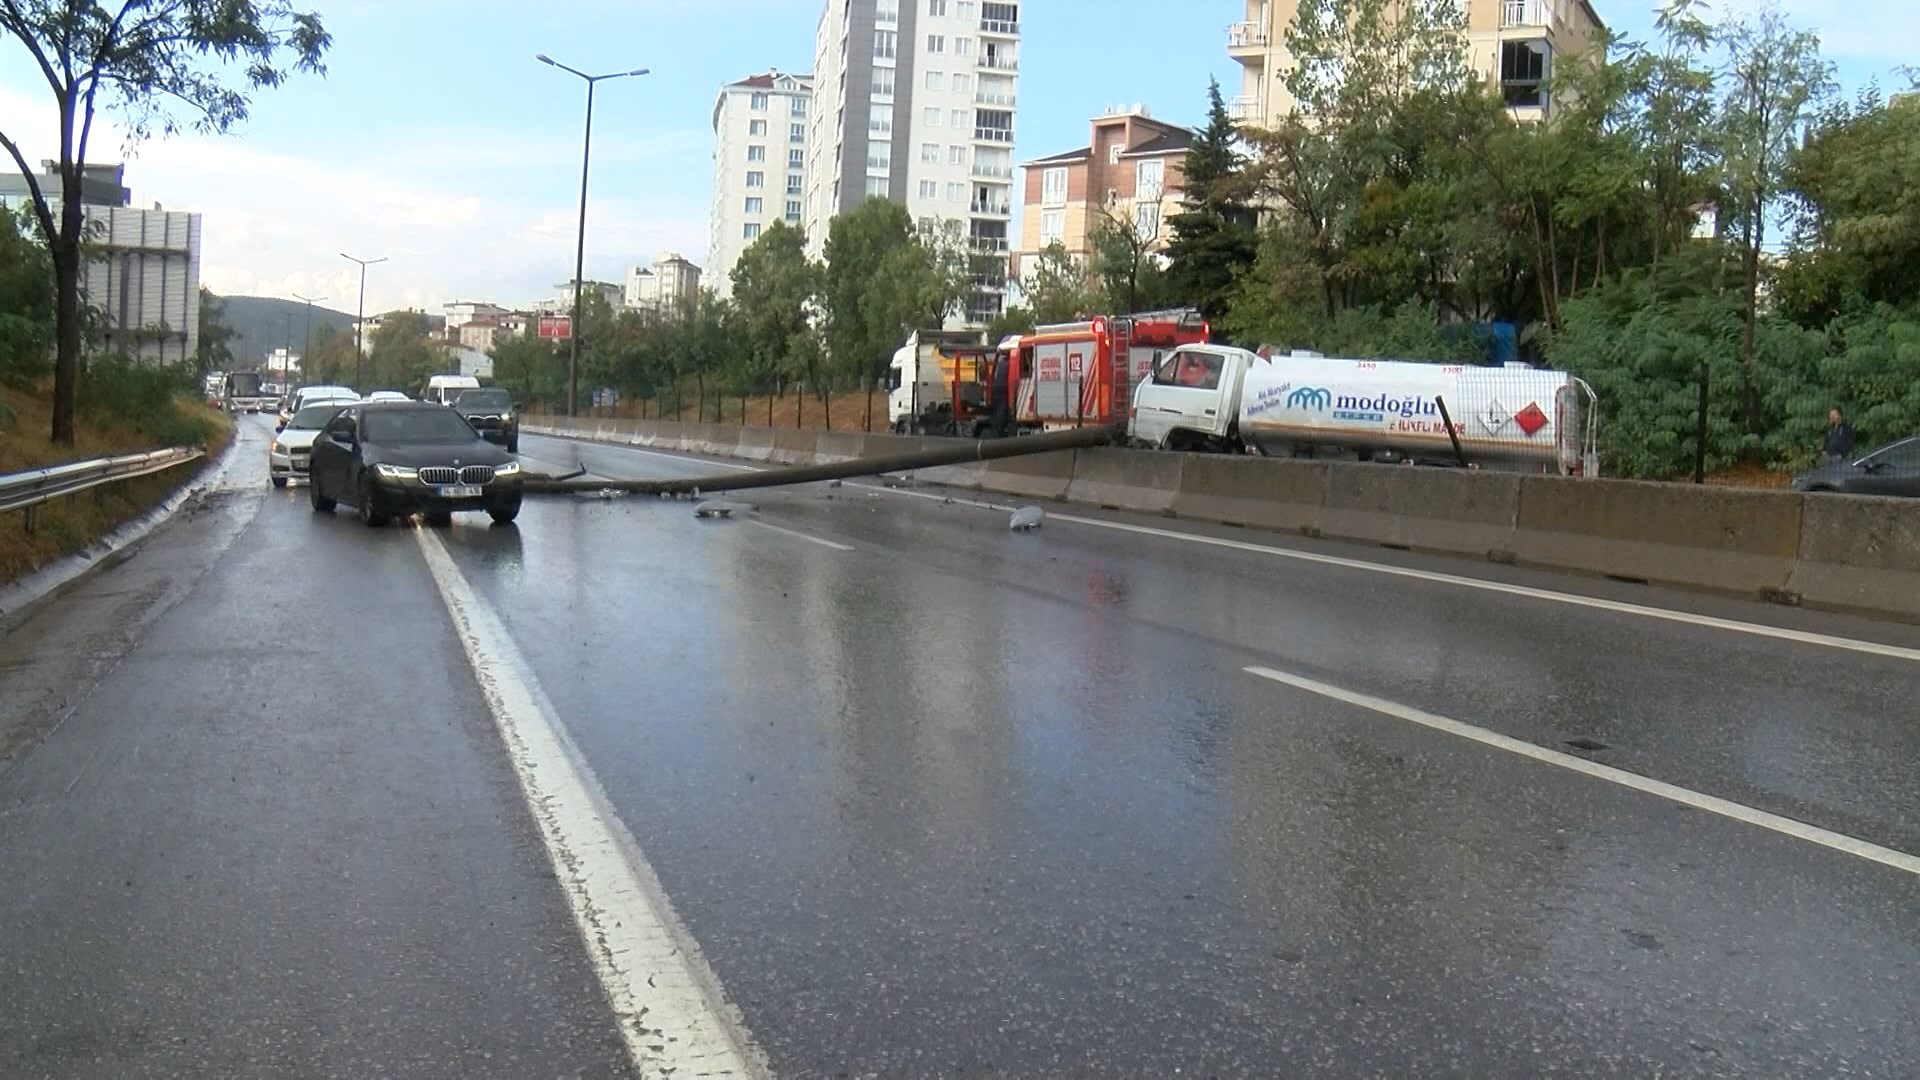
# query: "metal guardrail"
26,490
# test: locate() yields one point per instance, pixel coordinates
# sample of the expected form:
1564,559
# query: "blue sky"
438,141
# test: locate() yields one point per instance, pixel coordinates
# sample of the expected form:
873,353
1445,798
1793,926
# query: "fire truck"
1073,374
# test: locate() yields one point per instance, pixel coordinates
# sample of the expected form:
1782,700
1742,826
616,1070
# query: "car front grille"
447,474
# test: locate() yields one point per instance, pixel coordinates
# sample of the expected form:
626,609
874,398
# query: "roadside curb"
20,599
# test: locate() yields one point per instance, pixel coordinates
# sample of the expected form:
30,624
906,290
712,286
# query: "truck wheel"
370,513
279,481
504,511
322,504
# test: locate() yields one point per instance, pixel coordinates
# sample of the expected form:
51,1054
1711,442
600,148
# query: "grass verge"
70,524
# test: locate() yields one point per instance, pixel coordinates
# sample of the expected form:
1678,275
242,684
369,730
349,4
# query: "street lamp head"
638,71
545,59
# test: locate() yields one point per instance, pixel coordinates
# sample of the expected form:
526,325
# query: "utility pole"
580,246
360,318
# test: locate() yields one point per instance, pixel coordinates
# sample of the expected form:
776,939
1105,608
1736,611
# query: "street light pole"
580,244
307,350
360,317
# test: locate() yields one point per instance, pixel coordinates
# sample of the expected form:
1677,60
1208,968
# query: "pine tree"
1214,238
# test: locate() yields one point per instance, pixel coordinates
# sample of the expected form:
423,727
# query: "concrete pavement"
931,798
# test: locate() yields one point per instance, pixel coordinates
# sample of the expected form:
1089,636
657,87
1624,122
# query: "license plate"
457,491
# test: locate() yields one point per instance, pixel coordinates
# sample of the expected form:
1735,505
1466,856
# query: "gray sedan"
1891,470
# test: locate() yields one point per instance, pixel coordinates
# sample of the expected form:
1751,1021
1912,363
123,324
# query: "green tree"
1857,213
215,352
329,361
529,367
26,302
1776,82
1213,235
399,355
1059,289
150,57
1128,265
883,279
774,285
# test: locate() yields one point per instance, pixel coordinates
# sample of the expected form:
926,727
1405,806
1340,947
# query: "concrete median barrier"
792,446
1042,476
1142,480
1859,553
1454,510
833,446
715,440
756,443
1261,493
1714,538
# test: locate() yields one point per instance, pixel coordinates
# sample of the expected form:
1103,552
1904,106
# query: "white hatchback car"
292,446
313,395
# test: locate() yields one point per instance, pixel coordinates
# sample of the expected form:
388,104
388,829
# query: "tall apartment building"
759,165
914,102
1510,43
1131,172
667,287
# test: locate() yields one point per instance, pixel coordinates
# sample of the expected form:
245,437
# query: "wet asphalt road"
938,799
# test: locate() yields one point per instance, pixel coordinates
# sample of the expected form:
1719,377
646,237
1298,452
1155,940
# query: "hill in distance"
261,324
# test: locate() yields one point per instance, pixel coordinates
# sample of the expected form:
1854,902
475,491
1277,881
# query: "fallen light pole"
959,453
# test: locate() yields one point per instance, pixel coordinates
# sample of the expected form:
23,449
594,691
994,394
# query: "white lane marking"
672,1014
1800,830
797,534
1803,637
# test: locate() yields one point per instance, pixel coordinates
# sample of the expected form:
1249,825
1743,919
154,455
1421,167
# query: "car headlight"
273,447
511,468
506,417
396,472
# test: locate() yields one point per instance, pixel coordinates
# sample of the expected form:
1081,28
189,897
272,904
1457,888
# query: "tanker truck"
1217,398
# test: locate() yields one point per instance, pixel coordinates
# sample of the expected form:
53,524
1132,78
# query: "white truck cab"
1191,399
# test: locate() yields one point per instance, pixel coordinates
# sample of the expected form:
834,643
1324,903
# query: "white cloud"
447,210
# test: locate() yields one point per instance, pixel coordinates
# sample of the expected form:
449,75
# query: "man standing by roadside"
1839,446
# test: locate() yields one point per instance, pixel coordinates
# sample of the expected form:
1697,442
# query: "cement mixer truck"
1223,399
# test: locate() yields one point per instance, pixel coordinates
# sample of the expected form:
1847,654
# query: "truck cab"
1190,400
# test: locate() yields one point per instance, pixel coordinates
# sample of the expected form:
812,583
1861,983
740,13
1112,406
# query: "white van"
442,389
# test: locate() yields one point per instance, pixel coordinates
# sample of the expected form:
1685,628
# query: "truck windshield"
485,399
243,384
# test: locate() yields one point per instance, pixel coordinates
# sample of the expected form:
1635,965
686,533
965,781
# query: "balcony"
990,245
997,135
1246,37
992,207
1514,13
1002,27
1247,110
996,62
992,172
993,97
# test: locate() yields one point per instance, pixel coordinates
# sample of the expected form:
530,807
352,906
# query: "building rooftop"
1176,141
1085,153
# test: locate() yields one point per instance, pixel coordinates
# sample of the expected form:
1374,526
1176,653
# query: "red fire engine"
1076,374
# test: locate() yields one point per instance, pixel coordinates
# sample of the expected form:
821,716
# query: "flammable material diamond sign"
1531,419
1495,416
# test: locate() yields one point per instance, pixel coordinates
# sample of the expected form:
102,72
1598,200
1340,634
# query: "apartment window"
1146,219
1053,227
879,155
1524,67
756,153
963,83
797,159
793,185
1053,187
930,117
759,103
880,122
960,117
757,128
751,230
963,46
964,10
930,152
754,205
877,185
886,11
956,155
797,133
1114,152
886,44
798,108
793,209
929,189
937,44
936,8
1149,179
936,80
882,83
956,192
756,180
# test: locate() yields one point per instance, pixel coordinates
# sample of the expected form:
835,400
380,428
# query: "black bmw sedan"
391,459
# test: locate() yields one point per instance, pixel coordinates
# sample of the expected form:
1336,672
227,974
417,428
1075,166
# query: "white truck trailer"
1220,398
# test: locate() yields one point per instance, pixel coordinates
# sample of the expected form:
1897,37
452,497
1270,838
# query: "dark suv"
390,459
490,411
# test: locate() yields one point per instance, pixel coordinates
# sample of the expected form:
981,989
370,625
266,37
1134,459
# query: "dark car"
490,411
1890,470
391,459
